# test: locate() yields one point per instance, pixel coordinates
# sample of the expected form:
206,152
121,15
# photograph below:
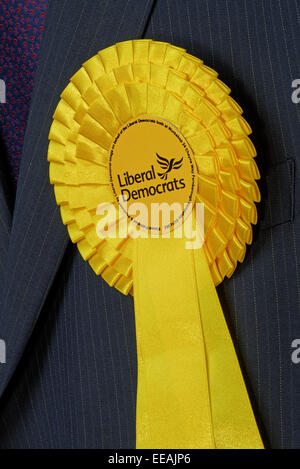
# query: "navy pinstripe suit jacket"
70,376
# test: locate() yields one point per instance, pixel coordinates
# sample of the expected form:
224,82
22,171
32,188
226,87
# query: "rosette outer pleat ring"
144,77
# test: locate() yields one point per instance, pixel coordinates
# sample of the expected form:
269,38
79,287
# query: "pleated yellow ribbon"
191,393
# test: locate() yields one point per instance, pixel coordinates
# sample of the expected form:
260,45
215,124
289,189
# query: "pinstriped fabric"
253,45
5,224
71,389
6,207
71,337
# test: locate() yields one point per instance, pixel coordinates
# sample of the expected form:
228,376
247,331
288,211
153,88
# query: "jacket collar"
74,32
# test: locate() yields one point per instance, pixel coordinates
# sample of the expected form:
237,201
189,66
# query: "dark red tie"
21,27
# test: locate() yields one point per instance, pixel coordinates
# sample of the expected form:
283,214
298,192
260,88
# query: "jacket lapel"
74,32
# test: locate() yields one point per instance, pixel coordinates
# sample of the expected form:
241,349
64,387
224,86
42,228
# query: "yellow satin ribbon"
191,393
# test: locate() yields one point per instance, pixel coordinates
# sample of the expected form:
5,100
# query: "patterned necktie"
21,27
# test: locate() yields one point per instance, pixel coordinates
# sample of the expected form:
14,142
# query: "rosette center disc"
151,163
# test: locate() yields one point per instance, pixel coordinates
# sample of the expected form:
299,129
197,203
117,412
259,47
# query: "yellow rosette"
191,392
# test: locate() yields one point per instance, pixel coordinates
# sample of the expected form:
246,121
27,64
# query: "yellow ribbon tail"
191,393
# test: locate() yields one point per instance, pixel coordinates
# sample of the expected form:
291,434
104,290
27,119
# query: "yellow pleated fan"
144,77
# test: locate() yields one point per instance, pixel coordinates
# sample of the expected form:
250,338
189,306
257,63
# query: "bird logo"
167,165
